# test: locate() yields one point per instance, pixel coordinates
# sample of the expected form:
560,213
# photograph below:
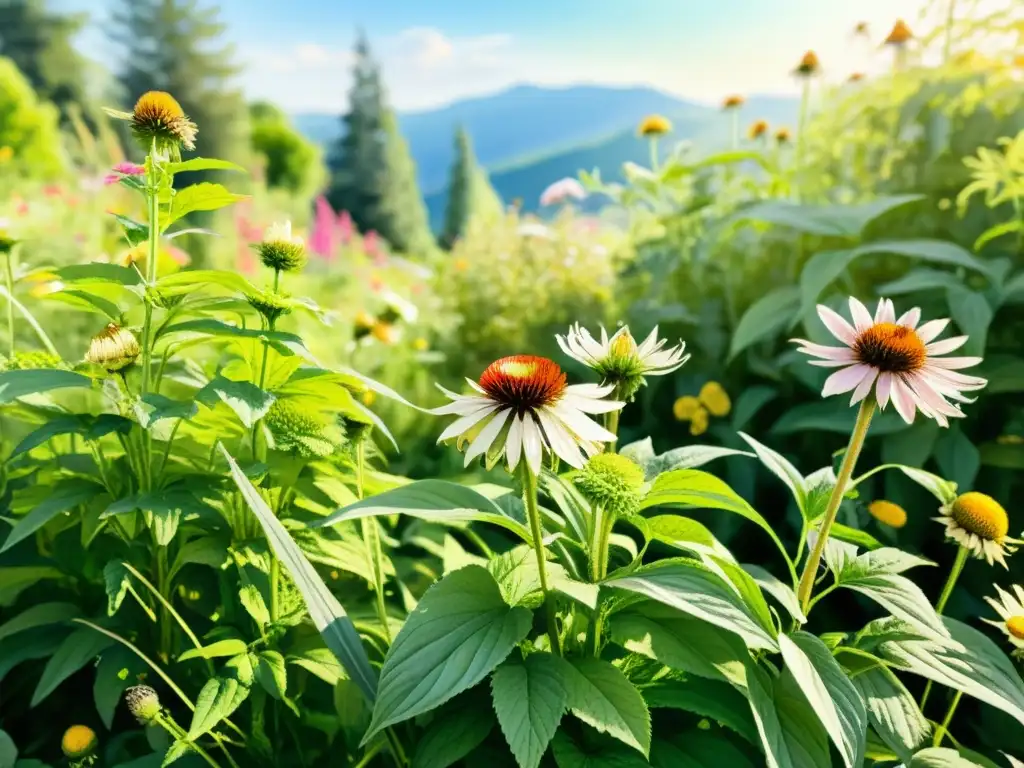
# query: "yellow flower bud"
713,397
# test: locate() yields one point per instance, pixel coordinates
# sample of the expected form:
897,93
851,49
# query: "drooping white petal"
589,404
837,325
514,442
903,399
826,352
483,441
861,317
864,387
593,391
649,344
559,439
953,363
533,446
581,425
946,345
931,329
883,389
846,379
467,422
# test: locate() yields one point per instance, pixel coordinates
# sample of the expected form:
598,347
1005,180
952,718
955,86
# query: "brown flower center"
523,382
890,348
981,515
1015,626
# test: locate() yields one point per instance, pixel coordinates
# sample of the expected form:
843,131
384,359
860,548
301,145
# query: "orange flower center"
1015,626
981,515
523,382
891,348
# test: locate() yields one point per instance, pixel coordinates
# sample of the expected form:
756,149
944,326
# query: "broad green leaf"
100,273
973,315
682,533
460,630
40,615
693,489
154,408
695,589
686,457
969,662
718,701
452,736
605,754
835,416
934,251
602,697
438,501
943,490
940,757
15,384
820,271
749,403
782,592
854,536
680,641
221,696
1005,373
118,669
829,693
251,599
229,647
206,196
696,748
249,402
175,752
271,674
282,342
892,710
26,646
321,663
77,650
180,282
846,221
766,317
328,616
780,466
64,496
791,734
116,581
8,751
15,579
530,698
957,457
92,427
203,164
920,279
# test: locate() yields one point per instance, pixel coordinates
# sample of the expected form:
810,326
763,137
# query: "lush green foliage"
28,129
290,162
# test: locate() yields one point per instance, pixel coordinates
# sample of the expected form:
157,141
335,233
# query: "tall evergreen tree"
470,193
373,176
39,42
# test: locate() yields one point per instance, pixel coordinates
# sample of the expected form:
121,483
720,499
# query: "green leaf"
697,748
940,757
782,592
716,700
180,282
251,599
530,698
452,736
934,251
89,302
229,647
602,697
116,580
893,712
118,669
791,734
15,384
8,752
437,501
202,164
282,342
272,674
780,466
40,615
99,273
686,457
854,536
64,496
846,221
820,271
973,315
460,630
920,279
93,427
766,317
829,693
683,533
221,696
679,641
77,650
695,589
206,196
328,616
175,752
969,662
603,754
693,489
249,402
154,408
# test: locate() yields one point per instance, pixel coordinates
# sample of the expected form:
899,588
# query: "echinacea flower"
654,125
979,523
809,65
114,348
562,191
782,136
78,741
522,408
900,34
158,117
733,102
1011,610
619,360
757,129
280,250
888,513
895,359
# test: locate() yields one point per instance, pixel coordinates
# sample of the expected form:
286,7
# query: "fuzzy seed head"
891,348
523,382
114,348
78,741
159,117
143,702
299,430
613,481
280,250
981,515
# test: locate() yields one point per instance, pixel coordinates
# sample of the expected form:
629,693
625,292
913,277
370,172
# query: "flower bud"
143,703
270,305
613,481
280,250
79,741
114,348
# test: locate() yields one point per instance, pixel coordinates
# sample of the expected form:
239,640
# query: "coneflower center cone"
524,382
890,348
981,515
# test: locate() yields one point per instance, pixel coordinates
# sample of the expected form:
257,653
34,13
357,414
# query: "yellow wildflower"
699,423
685,407
79,741
888,513
714,397
654,125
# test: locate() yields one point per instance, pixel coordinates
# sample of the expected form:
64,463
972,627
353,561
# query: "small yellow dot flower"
714,397
888,513
654,125
194,594
1010,608
979,523
369,397
79,741
699,422
685,407
757,129
420,345
159,117
335,575
809,65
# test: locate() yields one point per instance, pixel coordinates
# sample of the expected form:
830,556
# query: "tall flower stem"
947,47
942,730
9,283
611,421
735,129
371,539
940,606
654,153
860,431
801,130
537,534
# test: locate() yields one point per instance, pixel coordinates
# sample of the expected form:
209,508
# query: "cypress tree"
405,222
470,193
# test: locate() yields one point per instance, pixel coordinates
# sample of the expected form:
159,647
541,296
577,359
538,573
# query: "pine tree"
470,193
40,44
405,222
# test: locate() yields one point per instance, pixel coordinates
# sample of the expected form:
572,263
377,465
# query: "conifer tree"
405,222
470,193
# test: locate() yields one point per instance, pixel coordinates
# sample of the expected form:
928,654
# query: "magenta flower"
121,170
345,227
322,238
562,191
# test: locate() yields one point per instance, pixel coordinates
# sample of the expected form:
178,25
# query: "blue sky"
297,52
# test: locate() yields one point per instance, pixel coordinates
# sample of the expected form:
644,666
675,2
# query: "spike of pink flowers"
322,237
345,227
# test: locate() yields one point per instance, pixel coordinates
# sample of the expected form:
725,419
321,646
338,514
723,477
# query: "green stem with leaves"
860,431
178,734
943,730
371,539
529,481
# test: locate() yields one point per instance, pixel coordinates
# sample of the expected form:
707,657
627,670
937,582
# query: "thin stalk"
371,539
940,732
940,606
537,535
153,206
611,422
654,153
275,587
599,513
860,431
178,733
735,128
798,155
474,537
167,450
9,282
395,746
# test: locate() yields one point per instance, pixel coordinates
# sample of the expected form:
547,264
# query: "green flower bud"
299,430
270,305
280,250
143,703
612,481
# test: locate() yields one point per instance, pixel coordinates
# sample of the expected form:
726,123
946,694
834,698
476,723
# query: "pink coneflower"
123,169
562,191
896,359
529,396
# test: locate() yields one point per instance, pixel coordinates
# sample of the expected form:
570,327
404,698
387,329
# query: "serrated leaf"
460,630
230,647
602,697
177,750
272,674
603,754
15,384
453,736
78,649
185,281
716,700
251,599
221,696
530,698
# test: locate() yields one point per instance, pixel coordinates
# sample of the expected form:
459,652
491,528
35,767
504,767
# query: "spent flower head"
895,359
522,408
144,703
114,348
979,523
158,117
280,250
612,481
619,360
79,741
1010,608
654,125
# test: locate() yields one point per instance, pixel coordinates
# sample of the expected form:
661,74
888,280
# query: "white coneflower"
523,408
619,359
979,524
1011,610
896,359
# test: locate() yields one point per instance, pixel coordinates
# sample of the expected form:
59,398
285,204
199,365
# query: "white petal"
861,316
864,387
946,345
514,442
487,435
562,443
886,312
903,399
931,329
650,343
883,389
477,387
953,363
467,422
581,425
837,325
910,318
826,353
846,379
594,391
533,447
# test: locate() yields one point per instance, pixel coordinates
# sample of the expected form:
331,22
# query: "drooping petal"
533,445
954,363
846,379
559,439
883,389
514,442
467,422
837,325
589,404
903,400
483,441
864,387
946,345
584,427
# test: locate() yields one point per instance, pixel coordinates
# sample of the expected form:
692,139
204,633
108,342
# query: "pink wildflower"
345,227
321,240
562,191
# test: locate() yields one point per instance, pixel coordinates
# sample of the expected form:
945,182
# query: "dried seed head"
159,117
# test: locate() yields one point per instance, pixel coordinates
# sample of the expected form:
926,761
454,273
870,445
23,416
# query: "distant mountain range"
528,136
